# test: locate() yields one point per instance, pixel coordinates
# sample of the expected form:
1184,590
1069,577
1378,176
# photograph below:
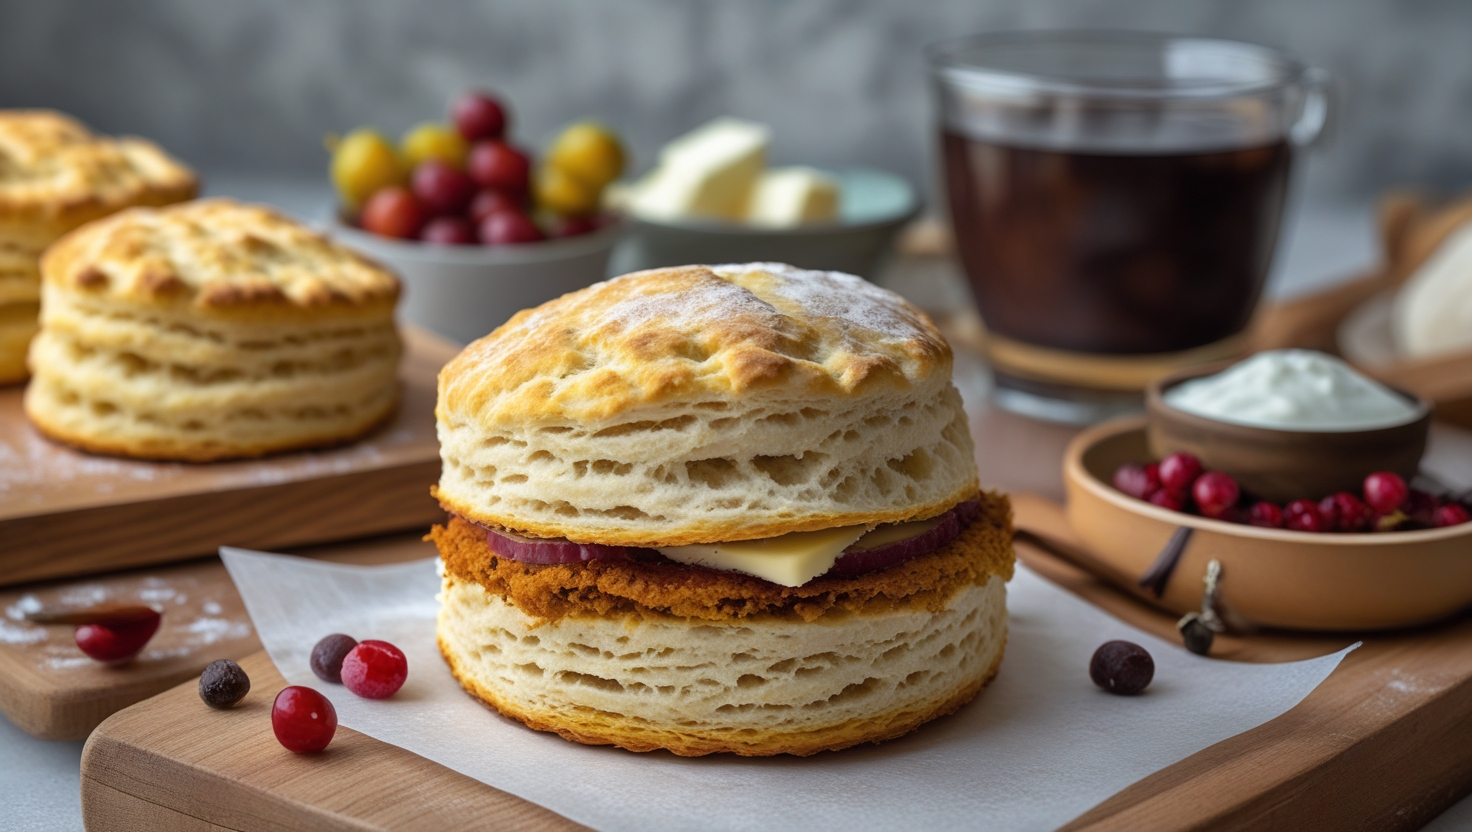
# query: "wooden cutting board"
48,688
1383,744
65,513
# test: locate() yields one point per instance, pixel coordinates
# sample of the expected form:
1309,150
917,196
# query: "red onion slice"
856,561
544,552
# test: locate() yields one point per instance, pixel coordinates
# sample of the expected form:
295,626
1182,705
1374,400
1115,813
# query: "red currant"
303,719
442,189
1136,480
117,641
1385,491
1214,492
449,231
1179,470
509,228
1350,512
374,669
1451,514
1169,498
478,115
1304,516
1266,515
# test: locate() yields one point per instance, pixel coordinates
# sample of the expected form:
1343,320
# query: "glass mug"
1116,198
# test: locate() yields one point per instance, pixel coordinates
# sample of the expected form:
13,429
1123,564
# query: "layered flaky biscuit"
693,406
55,175
210,330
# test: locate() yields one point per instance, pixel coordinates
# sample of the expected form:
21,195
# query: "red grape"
1265,514
1385,491
498,165
1304,516
1451,514
303,719
509,228
393,212
449,231
488,202
441,189
374,669
1136,480
560,226
1214,492
1179,470
116,641
1169,498
478,115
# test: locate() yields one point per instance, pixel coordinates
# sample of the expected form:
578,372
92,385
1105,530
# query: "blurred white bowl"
464,292
874,206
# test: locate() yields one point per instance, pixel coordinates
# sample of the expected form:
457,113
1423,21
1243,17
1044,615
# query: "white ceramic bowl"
874,206
464,292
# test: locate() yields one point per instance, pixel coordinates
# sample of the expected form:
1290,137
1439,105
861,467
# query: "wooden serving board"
49,689
65,513
1383,744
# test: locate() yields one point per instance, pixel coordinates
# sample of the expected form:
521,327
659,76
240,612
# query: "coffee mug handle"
1318,100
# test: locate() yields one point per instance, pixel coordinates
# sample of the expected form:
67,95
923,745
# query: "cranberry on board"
1451,514
1136,480
478,115
1214,492
490,201
1179,470
1385,491
498,165
1265,514
1304,516
1169,498
117,641
374,669
449,231
442,189
303,719
393,212
509,228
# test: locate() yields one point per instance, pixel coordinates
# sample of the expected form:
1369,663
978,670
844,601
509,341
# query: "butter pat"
793,196
709,172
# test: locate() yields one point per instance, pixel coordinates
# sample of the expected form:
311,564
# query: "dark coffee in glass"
1116,200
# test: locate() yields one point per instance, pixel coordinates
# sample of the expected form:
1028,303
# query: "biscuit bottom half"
854,660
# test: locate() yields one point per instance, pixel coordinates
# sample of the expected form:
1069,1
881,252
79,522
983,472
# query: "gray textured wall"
252,85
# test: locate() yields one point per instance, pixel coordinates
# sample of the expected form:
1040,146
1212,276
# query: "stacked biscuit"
210,330
591,444
55,175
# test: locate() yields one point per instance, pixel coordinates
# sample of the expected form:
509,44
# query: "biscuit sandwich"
717,509
56,175
210,330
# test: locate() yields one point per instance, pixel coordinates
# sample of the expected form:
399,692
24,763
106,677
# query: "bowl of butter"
713,198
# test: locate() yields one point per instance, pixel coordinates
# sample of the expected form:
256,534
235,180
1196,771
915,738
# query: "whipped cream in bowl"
1289,424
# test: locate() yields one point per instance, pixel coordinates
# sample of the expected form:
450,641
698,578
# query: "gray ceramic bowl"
874,206
464,292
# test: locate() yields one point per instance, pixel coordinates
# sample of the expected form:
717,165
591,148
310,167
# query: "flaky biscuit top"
218,257
689,334
56,174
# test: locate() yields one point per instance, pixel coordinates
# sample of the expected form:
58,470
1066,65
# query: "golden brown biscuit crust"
220,258
58,175
657,589
681,334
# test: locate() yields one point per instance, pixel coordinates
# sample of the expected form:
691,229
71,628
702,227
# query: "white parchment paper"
1038,747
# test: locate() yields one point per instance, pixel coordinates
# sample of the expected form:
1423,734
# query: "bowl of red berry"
1380,556
477,227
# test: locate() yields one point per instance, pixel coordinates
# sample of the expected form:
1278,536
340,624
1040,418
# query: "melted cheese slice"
792,559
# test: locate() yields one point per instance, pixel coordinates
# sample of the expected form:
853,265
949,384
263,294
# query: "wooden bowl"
1271,577
1284,465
